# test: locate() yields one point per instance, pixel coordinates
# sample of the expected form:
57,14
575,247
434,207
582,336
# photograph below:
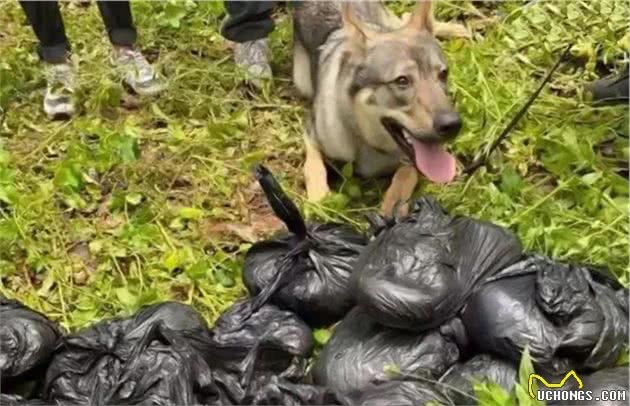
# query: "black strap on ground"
482,160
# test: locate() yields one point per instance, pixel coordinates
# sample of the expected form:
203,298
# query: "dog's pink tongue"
434,162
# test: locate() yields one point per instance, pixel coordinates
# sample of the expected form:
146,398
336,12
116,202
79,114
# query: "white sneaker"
253,56
58,100
138,72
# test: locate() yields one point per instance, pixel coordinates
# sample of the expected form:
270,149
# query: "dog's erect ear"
353,27
422,17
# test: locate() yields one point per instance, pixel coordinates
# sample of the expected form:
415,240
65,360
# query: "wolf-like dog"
378,86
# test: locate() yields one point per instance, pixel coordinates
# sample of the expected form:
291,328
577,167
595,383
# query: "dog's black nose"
447,124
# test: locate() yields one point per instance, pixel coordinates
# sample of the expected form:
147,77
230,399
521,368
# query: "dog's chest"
339,143
370,162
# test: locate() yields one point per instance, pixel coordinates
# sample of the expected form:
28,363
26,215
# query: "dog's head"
399,91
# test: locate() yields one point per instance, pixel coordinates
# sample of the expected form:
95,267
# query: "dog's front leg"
315,175
402,187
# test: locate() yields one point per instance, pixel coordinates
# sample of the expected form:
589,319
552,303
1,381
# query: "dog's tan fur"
315,175
358,37
403,184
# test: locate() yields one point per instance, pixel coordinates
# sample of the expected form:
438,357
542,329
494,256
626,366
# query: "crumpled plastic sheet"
143,359
16,400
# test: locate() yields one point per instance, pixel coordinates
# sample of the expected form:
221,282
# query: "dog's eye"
402,81
443,75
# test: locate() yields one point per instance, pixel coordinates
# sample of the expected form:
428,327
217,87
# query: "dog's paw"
317,193
404,19
391,209
395,201
316,185
451,30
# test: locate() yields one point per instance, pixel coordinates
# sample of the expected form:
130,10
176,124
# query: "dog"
378,88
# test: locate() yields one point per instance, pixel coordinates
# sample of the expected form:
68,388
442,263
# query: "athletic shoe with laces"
253,56
58,100
137,72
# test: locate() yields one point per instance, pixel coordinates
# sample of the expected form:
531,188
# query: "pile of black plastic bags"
420,309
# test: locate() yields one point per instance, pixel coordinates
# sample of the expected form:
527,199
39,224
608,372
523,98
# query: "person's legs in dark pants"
47,23
247,20
136,70
248,24
53,49
118,22
45,19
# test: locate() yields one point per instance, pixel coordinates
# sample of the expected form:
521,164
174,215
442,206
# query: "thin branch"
481,161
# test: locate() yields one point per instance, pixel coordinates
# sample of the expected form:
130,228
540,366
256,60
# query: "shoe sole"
149,92
60,114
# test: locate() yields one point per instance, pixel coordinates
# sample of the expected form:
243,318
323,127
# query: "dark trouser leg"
118,22
247,20
45,18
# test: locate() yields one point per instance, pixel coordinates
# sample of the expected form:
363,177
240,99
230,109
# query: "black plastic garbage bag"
27,338
272,390
360,351
314,261
142,360
15,400
248,339
457,383
567,318
175,316
612,380
420,269
397,393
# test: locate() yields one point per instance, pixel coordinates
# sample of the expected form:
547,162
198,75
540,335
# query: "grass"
137,201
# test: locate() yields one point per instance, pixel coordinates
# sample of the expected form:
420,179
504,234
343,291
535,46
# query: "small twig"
165,236
480,161
3,117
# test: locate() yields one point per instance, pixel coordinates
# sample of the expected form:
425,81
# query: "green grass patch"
137,201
